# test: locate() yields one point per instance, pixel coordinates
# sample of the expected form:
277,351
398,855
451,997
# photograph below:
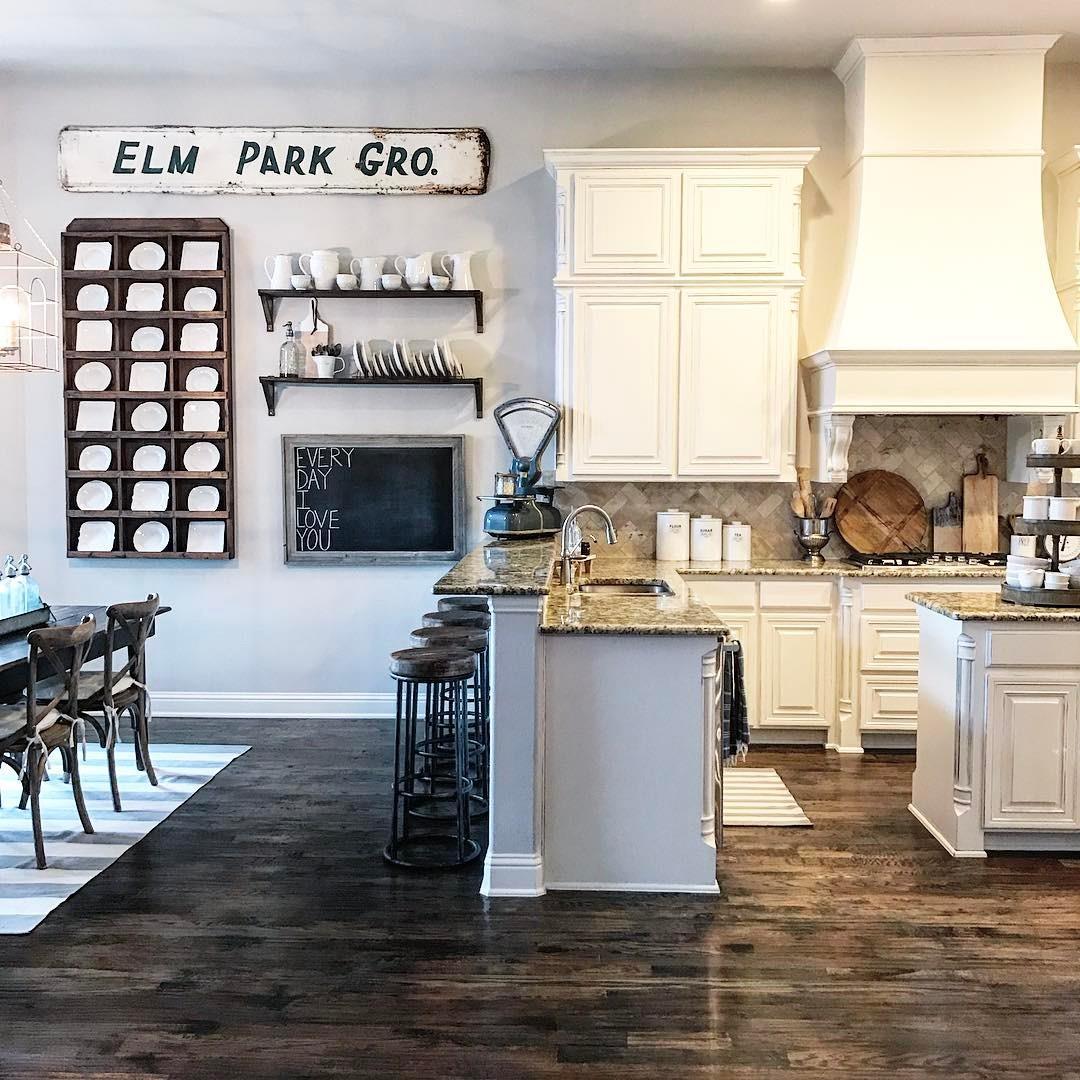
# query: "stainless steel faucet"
571,540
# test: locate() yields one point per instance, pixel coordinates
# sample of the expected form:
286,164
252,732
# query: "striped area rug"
759,797
27,894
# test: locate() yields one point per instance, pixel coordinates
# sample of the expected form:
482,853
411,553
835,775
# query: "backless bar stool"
432,692
476,641
465,603
457,617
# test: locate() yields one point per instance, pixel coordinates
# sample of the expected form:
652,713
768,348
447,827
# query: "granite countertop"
510,568
833,568
989,607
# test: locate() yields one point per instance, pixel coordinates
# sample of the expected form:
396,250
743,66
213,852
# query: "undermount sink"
634,588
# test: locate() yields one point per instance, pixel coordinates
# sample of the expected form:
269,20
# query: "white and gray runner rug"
27,894
759,797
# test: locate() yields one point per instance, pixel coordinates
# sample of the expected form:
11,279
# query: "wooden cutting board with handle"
980,532
879,511
948,525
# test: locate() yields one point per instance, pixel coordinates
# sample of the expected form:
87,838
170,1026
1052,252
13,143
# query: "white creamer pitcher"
279,271
459,267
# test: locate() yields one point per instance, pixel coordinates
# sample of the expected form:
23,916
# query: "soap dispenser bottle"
293,356
31,591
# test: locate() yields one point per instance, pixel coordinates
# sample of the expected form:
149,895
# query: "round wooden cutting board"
878,511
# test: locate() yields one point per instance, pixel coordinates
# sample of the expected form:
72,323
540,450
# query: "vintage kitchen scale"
523,508
1055,530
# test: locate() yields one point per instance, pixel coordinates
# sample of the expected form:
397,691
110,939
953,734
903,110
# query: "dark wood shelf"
148,436
144,275
130,474
146,395
148,554
1045,527
145,316
270,297
1053,461
271,384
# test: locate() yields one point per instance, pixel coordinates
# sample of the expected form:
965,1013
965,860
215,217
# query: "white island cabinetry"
677,302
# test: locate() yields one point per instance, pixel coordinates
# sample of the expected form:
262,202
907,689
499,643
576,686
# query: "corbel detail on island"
847,738
962,733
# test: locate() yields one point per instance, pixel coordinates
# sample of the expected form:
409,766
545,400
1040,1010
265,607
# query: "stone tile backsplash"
933,453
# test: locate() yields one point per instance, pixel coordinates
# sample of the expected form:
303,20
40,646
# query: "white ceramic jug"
460,270
415,269
279,271
322,265
369,271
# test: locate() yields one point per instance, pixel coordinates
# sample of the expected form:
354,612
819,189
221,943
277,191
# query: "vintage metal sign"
261,161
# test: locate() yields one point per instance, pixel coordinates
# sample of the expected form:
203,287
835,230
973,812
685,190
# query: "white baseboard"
933,831
631,886
260,706
513,875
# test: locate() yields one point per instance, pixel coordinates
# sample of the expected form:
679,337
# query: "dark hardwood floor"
257,933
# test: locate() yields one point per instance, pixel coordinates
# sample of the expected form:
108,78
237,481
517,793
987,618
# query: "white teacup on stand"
369,270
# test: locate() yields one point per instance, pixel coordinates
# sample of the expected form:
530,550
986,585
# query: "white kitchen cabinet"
796,669
622,373
736,360
717,230
626,222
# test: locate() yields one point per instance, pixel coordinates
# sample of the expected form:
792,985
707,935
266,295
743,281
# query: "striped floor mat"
27,894
759,797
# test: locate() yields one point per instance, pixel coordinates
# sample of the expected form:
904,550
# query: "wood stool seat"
454,637
463,603
432,664
457,617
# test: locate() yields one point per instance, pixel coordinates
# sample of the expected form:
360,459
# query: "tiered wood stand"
124,234
1055,530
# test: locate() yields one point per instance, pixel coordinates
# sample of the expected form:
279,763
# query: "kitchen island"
998,754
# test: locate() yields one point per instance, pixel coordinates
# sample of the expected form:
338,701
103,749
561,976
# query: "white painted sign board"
270,161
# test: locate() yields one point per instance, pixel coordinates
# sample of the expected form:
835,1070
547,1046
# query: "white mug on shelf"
459,268
1022,545
1063,508
322,265
301,282
279,270
346,282
1036,507
326,367
369,270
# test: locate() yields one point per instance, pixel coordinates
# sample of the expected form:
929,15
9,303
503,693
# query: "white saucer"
200,298
93,376
95,458
151,536
149,458
204,499
149,416
202,380
147,256
147,339
92,298
94,495
202,457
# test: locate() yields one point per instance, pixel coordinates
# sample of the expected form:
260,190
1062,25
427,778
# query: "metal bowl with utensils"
812,535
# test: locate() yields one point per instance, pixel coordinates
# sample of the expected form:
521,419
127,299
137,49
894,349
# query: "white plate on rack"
93,255
200,298
149,458
202,416
145,296
94,495
199,255
97,536
147,376
149,416
93,376
92,298
199,337
201,380
148,339
204,499
202,457
206,536
147,256
450,360
150,495
93,335
95,416
95,458
151,536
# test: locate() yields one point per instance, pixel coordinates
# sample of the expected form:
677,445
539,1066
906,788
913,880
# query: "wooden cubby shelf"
272,383
121,440
270,298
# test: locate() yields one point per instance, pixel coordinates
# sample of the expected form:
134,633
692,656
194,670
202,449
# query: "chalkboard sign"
374,498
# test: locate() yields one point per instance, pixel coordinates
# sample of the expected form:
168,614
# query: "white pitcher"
322,265
279,271
460,270
415,269
369,271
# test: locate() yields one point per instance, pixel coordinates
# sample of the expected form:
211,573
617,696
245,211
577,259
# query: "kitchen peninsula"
998,762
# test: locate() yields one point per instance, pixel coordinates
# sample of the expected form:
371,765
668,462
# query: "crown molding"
678,157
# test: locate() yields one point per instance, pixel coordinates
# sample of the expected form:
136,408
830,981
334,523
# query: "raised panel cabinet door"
888,703
733,404
624,382
626,221
796,670
1031,751
733,222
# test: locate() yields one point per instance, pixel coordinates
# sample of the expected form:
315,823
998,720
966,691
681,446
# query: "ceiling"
348,38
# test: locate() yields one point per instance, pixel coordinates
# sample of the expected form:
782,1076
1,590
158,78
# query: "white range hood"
948,304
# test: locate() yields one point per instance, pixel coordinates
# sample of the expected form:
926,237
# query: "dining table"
15,652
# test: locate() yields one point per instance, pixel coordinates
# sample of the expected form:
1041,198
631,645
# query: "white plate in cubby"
204,499
148,339
150,495
93,335
199,337
94,495
95,416
93,376
149,458
97,536
202,416
202,380
206,536
151,536
147,256
200,298
92,298
145,296
93,255
199,255
147,376
149,416
202,457
95,458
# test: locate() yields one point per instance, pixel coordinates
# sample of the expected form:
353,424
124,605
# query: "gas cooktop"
928,558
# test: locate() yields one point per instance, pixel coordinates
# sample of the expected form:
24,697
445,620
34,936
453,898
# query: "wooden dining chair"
32,729
105,695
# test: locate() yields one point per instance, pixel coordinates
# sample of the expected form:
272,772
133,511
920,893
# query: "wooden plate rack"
124,234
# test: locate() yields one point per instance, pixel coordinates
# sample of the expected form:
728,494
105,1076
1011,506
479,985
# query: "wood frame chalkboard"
328,461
